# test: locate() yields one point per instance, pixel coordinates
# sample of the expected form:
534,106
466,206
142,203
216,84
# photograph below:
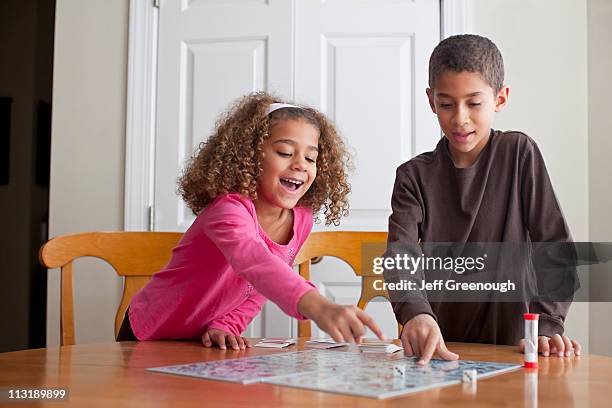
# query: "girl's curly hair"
231,159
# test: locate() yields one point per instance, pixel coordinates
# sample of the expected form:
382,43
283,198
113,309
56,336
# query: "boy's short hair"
471,53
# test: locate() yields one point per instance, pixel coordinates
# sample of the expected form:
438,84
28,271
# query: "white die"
399,370
470,375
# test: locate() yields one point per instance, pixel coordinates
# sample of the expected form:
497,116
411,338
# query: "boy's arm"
546,225
236,321
404,226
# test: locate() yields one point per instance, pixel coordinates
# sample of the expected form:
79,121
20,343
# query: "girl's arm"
236,321
231,226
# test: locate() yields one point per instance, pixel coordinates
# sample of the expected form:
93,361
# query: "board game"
361,374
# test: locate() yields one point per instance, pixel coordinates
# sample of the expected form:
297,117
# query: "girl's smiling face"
289,163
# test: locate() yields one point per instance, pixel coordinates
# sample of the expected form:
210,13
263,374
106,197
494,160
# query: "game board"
367,375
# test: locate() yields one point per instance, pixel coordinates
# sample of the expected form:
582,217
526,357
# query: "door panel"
208,86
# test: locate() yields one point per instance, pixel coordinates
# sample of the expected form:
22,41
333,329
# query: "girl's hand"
422,337
555,346
222,339
342,323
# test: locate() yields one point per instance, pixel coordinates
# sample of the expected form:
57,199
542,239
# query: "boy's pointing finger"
429,349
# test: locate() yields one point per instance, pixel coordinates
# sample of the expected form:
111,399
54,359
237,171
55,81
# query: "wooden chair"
138,255
133,255
348,246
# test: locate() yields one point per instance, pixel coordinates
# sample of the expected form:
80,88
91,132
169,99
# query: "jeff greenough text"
441,284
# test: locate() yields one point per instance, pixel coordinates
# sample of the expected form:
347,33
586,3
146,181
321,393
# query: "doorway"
26,75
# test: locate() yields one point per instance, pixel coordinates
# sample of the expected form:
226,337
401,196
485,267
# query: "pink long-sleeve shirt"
221,273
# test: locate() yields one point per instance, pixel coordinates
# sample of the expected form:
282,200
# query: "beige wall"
600,148
87,157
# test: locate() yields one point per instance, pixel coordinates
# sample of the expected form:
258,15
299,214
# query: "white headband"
277,106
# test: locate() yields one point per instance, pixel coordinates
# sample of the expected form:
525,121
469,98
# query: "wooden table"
113,375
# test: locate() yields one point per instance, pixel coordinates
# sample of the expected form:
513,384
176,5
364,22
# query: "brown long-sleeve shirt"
505,196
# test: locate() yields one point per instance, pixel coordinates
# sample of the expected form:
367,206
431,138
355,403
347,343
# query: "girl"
254,186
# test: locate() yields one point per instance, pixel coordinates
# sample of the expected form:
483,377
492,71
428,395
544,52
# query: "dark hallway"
26,75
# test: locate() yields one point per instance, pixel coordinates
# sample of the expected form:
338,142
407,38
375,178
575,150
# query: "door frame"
141,103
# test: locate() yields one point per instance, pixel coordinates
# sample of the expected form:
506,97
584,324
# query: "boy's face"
465,105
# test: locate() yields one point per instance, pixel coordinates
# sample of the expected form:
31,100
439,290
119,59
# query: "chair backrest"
134,255
348,246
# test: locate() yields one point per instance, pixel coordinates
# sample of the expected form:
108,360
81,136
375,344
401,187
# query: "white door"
362,62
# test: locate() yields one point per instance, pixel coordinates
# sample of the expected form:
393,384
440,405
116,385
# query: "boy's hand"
342,323
222,339
422,337
555,346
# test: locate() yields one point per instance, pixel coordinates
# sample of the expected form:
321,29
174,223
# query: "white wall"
600,148
87,157
544,46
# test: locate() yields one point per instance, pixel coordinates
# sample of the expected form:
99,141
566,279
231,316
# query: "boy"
478,185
